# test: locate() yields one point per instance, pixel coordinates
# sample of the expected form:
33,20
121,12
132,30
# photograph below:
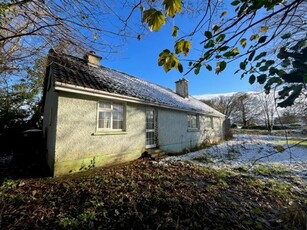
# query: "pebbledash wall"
74,145
77,144
175,136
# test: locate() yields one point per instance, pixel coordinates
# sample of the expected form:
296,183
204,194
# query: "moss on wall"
73,166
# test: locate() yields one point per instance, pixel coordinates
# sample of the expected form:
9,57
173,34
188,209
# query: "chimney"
92,59
182,88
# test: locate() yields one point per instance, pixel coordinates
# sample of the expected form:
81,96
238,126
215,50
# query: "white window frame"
111,119
189,122
212,122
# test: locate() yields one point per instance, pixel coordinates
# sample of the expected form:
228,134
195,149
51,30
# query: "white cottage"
96,116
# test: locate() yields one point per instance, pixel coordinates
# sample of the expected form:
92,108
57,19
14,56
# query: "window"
211,122
110,116
193,121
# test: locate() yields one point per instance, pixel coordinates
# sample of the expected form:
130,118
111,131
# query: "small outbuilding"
96,116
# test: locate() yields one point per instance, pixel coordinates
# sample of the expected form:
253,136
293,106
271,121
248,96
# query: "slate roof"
76,71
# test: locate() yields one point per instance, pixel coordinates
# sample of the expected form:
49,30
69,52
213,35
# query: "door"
150,129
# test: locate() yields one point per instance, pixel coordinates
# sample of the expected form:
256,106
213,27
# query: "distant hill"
214,95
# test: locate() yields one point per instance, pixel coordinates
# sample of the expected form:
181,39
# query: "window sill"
103,133
193,130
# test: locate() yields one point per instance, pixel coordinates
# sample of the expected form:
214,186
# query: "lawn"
292,142
148,194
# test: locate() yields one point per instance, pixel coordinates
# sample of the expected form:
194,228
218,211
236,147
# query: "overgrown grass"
270,170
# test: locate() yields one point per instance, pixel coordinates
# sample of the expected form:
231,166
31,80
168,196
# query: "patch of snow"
251,150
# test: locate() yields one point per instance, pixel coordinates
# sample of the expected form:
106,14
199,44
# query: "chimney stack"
92,58
182,88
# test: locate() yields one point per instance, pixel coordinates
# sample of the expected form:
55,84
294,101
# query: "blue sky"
140,57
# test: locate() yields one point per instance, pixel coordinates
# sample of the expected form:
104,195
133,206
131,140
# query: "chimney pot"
182,88
92,58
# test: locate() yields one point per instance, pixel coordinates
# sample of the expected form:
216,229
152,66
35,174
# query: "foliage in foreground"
250,30
149,195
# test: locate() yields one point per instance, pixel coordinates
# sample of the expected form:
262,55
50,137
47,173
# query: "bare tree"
29,28
240,108
247,109
223,104
268,108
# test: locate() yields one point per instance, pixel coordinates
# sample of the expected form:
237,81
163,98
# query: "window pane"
118,107
117,124
104,105
192,121
150,138
110,115
150,119
118,116
104,120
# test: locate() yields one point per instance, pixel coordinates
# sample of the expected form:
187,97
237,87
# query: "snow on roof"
75,71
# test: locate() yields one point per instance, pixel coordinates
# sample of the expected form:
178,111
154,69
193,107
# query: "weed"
270,170
255,183
207,144
255,218
279,148
67,221
9,184
242,168
295,217
87,216
280,189
87,167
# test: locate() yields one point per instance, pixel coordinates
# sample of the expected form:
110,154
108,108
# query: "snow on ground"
251,150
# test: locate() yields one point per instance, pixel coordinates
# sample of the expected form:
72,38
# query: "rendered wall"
49,125
74,145
78,145
174,135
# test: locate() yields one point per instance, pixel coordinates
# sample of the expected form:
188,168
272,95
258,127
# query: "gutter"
64,87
